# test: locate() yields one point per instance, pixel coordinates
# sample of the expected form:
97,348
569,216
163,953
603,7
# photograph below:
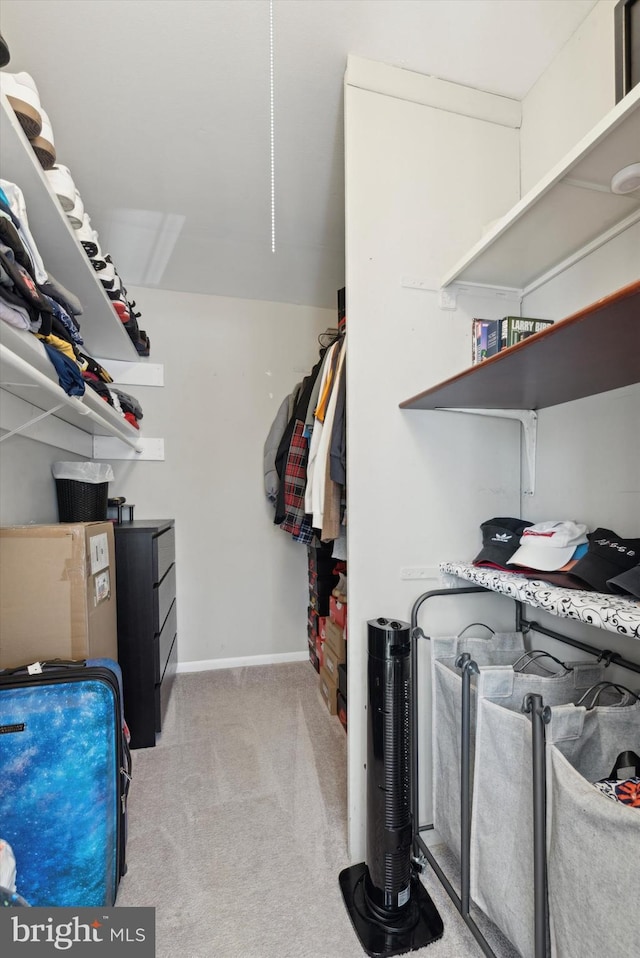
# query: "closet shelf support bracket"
528,419
31,422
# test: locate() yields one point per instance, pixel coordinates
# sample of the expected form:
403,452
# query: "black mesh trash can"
81,501
82,490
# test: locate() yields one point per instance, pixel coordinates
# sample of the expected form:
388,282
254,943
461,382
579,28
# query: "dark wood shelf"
593,351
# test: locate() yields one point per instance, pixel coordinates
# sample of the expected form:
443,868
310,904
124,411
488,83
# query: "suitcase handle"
45,666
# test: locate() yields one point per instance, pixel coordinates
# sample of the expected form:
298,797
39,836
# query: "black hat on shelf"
608,556
5,56
627,582
500,539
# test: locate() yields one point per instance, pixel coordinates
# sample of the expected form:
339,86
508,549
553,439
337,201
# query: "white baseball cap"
549,545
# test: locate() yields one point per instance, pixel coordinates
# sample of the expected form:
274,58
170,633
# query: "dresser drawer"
164,641
165,553
163,596
163,689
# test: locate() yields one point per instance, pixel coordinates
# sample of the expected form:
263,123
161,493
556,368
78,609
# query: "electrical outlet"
418,572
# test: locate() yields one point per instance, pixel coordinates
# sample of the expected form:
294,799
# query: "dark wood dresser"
147,627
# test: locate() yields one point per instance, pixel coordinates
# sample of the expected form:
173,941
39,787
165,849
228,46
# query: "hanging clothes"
297,481
318,423
322,455
291,462
270,450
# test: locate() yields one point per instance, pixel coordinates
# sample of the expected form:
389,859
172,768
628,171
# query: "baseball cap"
549,545
500,539
561,576
608,556
628,581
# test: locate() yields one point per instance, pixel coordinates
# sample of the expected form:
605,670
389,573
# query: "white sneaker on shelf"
22,93
89,239
43,145
61,182
105,271
76,213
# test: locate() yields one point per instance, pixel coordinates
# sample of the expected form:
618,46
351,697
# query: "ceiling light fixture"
626,180
272,132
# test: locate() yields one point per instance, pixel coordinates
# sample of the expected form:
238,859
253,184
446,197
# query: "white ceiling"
161,110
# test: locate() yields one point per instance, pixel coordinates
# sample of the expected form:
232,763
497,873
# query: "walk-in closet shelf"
570,212
102,330
593,351
613,613
25,370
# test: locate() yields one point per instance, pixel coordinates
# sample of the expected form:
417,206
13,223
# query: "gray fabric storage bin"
502,809
593,843
501,648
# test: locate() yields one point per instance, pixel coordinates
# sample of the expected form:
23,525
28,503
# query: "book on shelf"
485,339
479,341
513,329
490,336
493,337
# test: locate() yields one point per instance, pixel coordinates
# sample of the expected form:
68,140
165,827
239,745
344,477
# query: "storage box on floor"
333,672
57,592
322,579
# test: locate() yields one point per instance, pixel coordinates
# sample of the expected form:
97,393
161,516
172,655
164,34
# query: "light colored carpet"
237,823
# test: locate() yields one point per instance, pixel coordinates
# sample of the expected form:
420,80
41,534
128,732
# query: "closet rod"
612,658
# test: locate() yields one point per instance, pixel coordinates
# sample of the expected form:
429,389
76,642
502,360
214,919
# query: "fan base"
420,925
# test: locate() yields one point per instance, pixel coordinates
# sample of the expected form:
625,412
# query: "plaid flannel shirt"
295,481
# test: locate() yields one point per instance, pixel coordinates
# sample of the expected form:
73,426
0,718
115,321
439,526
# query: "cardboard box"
334,639
331,663
316,625
320,651
57,593
319,604
338,611
322,585
313,656
329,691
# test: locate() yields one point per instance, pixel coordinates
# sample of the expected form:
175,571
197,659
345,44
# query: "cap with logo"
549,545
627,582
608,556
500,539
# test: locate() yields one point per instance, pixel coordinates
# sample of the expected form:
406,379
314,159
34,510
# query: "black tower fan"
389,907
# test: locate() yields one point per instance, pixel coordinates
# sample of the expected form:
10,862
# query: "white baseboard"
277,658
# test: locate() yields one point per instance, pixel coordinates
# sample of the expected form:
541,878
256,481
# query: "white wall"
576,90
241,582
27,488
595,442
418,493
420,483
588,462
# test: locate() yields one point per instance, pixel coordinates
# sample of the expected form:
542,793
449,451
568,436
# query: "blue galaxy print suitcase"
65,769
